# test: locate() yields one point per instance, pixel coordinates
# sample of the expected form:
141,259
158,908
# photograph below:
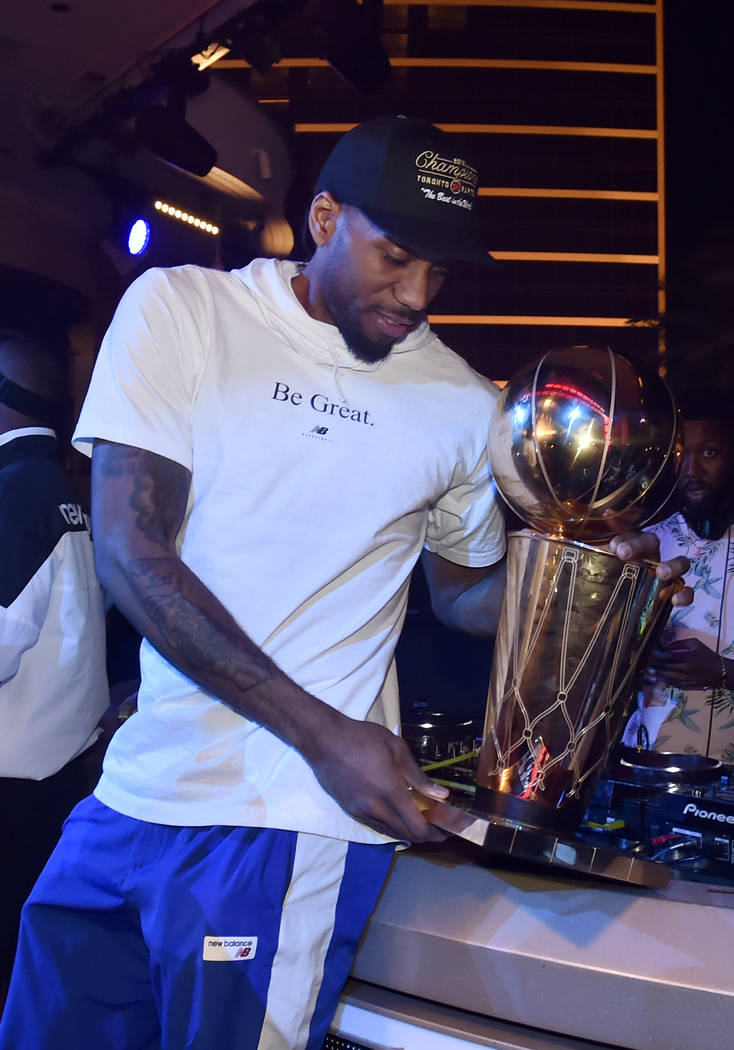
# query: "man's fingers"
631,545
680,595
426,786
406,814
673,569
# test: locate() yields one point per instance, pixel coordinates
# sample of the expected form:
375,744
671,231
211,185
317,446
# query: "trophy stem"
576,628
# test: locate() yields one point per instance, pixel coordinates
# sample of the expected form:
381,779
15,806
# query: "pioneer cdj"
673,810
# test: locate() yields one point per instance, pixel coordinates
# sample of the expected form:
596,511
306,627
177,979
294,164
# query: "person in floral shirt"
687,703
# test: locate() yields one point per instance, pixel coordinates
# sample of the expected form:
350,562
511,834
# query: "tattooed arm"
138,504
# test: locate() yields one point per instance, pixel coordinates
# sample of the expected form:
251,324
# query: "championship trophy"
582,446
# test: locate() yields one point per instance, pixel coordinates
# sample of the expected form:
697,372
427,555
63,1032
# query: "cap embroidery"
453,174
400,172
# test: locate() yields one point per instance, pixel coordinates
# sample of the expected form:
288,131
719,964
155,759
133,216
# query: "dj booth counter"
463,952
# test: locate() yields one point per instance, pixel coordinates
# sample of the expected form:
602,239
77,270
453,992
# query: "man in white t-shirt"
273,448
688,705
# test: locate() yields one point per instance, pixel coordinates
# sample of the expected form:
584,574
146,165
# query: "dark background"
700,212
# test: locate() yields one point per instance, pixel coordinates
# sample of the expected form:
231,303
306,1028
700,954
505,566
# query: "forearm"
191,628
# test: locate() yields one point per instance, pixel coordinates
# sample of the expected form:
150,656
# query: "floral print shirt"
679,720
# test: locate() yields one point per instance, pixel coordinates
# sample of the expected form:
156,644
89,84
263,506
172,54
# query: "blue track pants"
141,936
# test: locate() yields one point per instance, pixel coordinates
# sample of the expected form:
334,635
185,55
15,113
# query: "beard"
348,320
364,349
710,516
345,312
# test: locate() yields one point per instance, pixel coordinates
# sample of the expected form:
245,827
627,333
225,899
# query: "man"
273,447
689,707
53,686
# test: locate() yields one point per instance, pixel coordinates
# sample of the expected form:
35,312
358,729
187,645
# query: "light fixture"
138,236
255,39
166,133
186,217
209,55
164,130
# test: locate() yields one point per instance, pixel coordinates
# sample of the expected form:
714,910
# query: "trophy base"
496,834
535,814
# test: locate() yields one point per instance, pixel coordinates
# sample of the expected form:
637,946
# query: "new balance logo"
228,949
319,433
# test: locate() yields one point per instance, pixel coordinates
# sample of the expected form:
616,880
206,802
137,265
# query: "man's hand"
688,664
371,774
632,545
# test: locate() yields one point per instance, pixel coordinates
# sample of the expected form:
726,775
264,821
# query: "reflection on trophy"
583,446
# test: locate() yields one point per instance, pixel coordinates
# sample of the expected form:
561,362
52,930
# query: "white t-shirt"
316,481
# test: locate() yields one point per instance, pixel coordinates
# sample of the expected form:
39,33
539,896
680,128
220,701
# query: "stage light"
138,236
186,217
163,129
165,133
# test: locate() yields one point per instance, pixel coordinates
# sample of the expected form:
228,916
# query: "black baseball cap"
411,180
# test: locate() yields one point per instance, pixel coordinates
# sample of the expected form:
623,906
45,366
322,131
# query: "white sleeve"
21,622
146,374
466,526
17,636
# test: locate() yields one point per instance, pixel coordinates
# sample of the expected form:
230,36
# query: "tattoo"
213,647
160,488
195,632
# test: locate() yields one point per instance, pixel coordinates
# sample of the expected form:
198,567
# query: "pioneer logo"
708,814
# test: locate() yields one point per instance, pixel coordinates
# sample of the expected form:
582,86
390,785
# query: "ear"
322,217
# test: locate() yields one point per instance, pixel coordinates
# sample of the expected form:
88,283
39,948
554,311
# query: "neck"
305,287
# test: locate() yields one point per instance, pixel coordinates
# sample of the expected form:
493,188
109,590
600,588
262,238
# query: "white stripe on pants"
305,934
